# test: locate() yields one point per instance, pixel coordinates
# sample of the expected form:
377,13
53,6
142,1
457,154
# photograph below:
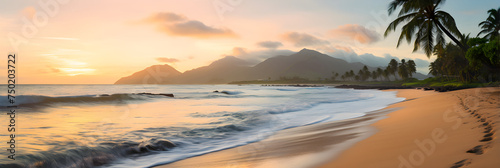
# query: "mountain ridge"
155,74
306,63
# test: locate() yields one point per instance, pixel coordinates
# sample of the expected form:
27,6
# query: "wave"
37,100
228,92
92,156
281,89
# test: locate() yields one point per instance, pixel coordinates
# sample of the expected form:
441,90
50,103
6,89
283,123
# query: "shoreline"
451,129
311,144
317,142
384,142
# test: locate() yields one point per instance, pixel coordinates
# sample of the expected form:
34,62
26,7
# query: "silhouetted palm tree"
380,72
424,22
411,67
351,74
491,26
386,74
374,75
393,67
403,70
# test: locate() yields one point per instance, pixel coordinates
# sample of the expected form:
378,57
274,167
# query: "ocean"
113,126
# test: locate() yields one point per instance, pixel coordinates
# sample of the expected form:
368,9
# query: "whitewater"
143,126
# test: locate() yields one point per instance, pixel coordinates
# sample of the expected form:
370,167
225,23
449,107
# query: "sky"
100,41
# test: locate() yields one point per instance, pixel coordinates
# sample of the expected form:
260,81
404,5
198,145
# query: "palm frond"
429,39
394,5
484,31
409,7
408,30
449,22
394,24
440,41
491,26
419,36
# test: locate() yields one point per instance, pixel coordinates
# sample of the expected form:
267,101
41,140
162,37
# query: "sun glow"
75,71
70,45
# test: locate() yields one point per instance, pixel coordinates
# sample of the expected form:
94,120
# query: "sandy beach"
452,129
428,129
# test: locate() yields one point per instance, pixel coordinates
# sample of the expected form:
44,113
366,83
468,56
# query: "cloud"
59,38
303,39
196,29
165,17
343,48
55,70
270,44
421,63
257,56
357,33
377,61
367,59
76,71
59,62
178,25
238,51
29,12
166,60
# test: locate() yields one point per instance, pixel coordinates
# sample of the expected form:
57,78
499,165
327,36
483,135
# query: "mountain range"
305,64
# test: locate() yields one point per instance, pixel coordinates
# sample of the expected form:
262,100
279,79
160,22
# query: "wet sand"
428,129
451,129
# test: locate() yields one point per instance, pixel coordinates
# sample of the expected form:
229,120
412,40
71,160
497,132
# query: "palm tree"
375,75
411,67
357,77
380,72
334,76
402,69
435,69
346,75
386,75
491,26
451,62
361,75
424,22
351,74
393,67
366,74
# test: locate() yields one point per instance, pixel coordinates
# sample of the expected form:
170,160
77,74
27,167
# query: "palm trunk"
464,47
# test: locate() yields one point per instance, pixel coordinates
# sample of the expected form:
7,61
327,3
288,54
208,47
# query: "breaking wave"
36,100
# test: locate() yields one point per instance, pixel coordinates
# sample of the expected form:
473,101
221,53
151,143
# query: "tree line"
404,69
467,59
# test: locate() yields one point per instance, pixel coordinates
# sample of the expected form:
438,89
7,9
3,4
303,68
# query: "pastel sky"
99,41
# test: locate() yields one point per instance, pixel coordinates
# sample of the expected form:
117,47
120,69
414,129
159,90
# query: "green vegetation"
467,62
491,25
380,76
424,22
440,82
324,82
405,70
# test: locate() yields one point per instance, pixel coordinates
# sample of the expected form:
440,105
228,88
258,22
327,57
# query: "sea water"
137,126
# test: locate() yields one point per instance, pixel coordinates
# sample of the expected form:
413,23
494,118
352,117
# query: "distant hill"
156,74
224,70
306,63
421,76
